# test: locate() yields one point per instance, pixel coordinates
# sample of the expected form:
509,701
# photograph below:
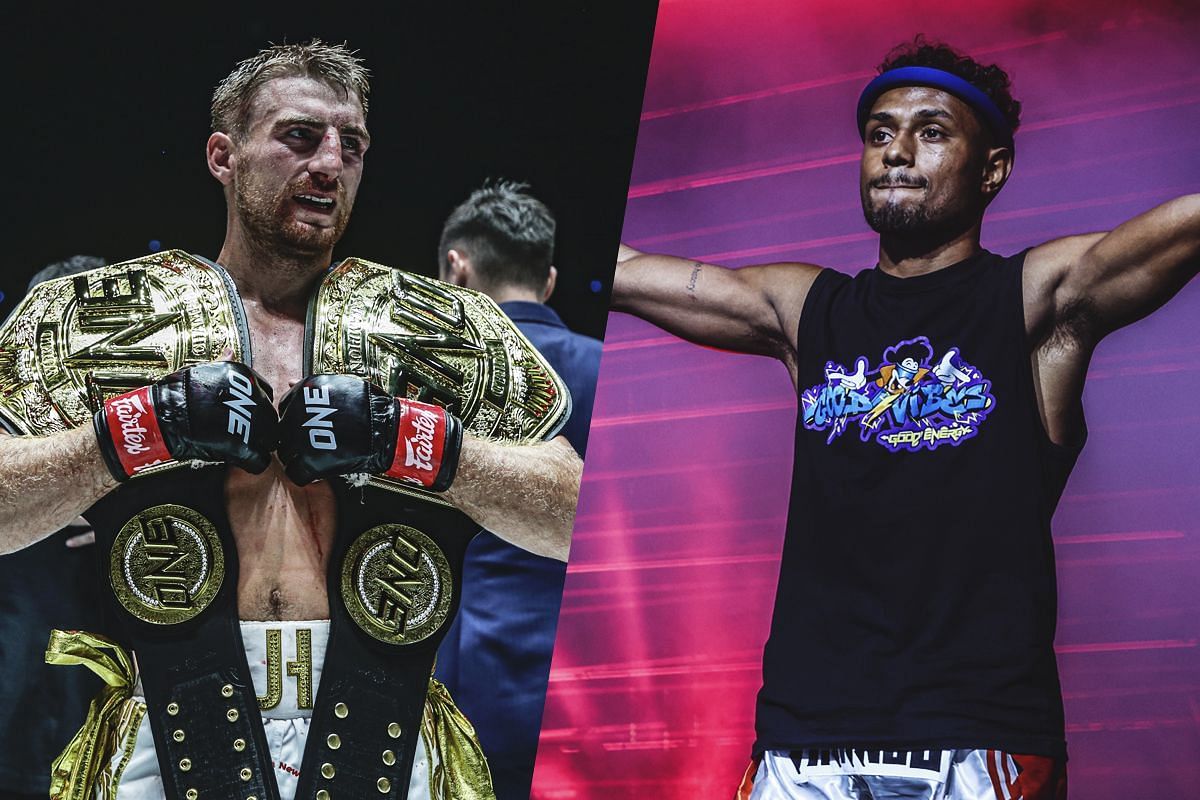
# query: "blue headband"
984,106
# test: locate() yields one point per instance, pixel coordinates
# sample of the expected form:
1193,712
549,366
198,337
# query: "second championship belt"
74,342
395,574
431,341
165,548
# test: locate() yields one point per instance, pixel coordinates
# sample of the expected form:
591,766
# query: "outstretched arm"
1108,280
749,310
1079,289
525,494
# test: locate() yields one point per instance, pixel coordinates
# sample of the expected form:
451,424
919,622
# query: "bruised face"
923,164
298,164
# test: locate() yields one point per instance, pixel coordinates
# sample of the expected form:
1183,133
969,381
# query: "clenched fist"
221,411
340,425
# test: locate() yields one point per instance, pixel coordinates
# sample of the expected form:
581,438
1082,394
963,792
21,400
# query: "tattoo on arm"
691,287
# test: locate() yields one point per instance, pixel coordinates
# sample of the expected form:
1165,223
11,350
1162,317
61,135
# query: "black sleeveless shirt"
917,602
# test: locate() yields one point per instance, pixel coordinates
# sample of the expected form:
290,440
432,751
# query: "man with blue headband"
912,656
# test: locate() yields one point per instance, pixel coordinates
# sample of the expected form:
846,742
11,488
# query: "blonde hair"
334,64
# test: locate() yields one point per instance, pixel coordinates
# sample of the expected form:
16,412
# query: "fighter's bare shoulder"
785,285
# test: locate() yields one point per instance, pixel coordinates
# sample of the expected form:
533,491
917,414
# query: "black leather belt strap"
394,581
367,718
200,700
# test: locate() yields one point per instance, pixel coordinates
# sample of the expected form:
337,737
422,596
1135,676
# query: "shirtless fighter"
910,654
288,143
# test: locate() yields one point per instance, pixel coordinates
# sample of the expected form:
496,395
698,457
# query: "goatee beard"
268,222
897,219
923,221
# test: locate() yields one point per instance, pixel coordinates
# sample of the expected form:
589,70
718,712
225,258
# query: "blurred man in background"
496,658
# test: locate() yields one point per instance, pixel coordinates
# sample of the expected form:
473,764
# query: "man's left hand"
334,425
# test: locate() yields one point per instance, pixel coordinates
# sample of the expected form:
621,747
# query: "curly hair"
989,79
334,64
508,233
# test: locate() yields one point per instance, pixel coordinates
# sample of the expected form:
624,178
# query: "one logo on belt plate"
396,584
167,564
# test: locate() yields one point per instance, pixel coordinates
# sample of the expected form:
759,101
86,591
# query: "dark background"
104,148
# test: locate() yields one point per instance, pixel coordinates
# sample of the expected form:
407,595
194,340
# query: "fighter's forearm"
703,303
47,481
753,309
525,494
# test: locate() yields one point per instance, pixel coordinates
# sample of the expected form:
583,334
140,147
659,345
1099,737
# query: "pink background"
748,153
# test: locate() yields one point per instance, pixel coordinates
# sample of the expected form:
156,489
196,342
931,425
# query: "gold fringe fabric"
82,771
462,771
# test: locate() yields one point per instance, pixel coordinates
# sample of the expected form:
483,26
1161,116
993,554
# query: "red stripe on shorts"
1040,778
747,784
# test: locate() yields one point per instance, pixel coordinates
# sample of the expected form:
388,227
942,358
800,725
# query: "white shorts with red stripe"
864,774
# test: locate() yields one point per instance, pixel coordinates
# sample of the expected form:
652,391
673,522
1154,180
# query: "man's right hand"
221,411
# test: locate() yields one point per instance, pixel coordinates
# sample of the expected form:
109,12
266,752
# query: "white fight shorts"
134,768
864,774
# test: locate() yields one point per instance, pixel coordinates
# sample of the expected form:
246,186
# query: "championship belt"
171,561
74,342
394,583
394,587
172,574
431,341
396,572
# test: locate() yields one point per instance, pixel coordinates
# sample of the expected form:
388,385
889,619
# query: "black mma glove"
340,425
220,411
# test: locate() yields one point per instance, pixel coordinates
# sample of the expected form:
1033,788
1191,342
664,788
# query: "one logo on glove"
909,402
139,442
240,405
320,427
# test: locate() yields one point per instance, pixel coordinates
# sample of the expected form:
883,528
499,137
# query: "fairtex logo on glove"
139,442
419,448
422,430
129,411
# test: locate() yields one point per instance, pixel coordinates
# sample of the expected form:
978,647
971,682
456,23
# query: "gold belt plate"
74,342
396,584
427,340
167,564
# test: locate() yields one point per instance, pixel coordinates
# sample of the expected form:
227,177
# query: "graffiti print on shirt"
911,401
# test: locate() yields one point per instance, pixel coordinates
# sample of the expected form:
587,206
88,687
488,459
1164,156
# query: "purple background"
748,154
